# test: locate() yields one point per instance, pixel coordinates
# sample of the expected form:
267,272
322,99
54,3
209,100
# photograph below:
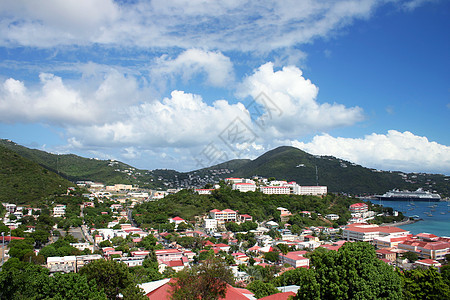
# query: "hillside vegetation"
188,204
75,168
293,164
25,182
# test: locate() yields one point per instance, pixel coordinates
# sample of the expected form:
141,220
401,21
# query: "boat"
419,195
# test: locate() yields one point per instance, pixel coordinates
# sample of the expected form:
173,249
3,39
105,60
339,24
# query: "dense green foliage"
425,284
60,248
74,168
353,272
20,280
25,182
113,277
188,204
262,289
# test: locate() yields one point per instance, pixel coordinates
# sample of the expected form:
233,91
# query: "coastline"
405,221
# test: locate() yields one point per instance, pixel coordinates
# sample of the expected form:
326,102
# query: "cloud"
216,66
413,4
397,151
183,120
91,100
291,108
225,25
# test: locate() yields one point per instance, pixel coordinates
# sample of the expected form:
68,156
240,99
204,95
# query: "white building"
210,224
312,190
275,190
332,217
222,216
244,187
204,191
59,211
370,232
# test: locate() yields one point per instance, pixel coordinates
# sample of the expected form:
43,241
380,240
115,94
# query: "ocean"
436,220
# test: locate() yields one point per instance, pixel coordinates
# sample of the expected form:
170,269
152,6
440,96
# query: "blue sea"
437,223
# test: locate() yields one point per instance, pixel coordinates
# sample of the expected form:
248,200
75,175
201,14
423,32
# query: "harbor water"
435,215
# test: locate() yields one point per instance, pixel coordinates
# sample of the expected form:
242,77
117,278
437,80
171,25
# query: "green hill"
293,164
76,168
23,181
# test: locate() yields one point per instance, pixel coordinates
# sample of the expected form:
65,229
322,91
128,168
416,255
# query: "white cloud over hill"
396,151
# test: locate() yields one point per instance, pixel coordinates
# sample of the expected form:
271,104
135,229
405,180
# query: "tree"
262,289
424,284
353,272
113,277
411,256
209,280
272,256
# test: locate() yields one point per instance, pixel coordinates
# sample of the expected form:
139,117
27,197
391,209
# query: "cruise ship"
419,195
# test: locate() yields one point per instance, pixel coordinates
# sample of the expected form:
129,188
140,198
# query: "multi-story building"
310,190
427,250
244,187
168,255
59,211
275,190
369,232
210,224
222,216
295,259
359,208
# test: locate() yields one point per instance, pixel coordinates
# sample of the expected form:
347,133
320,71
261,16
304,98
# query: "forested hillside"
25,182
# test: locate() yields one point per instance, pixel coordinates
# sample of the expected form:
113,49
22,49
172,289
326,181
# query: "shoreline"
401,223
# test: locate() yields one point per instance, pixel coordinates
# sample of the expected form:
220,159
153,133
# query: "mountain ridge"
283,163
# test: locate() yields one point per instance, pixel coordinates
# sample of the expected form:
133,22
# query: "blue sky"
187,84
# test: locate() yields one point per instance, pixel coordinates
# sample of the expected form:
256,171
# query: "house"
332,217
168,255
386,254
177,221
245,218
130,261
176,265
295,259
427,263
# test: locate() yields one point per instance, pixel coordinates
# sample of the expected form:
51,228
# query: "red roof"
177,219
164,292
427,261
8,238
214,210
174,263
229,210
279,296
358,205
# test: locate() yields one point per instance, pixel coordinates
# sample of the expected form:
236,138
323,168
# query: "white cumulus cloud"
290,102
216,66
396,151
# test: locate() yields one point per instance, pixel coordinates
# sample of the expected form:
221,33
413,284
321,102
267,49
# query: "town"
103,225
